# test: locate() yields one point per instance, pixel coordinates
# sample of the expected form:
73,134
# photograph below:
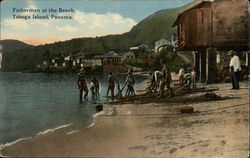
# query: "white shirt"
158,74
92,85
235,62
181,72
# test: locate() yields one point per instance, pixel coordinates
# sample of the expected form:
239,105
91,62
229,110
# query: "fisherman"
181,76
187,78
168,82
157,75
130,81
153,84
92,88
82,85
193,77
119,91
234,69
97,86
162,84
165,81
111,85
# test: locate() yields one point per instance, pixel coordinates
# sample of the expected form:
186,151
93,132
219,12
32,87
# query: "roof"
125,53
110,54
163,39
197,4
113,54
81,53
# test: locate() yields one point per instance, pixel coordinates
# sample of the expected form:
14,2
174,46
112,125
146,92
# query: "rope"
227,107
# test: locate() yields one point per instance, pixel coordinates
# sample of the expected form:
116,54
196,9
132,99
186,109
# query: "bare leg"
80,95
112,93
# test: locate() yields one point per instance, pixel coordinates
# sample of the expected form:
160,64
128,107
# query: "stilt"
211,65
202,68
196,63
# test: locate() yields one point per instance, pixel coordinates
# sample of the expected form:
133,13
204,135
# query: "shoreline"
132,136
88,123
51,130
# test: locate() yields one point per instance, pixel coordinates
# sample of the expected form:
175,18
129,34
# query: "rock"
99,108
187,109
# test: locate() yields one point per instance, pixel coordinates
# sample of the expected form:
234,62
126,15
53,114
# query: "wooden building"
209,26
113,61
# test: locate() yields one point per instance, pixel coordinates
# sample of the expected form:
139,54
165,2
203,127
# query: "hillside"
11,45
149,30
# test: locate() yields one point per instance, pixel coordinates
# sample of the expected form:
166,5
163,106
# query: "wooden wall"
217,24
230,20
196,27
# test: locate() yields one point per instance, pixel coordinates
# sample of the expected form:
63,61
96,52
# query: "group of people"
130,82
187,77
83,87
160,80
112,81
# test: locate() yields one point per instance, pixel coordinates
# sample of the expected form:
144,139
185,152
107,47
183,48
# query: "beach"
218,129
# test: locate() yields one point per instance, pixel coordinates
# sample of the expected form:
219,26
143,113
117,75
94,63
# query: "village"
111,61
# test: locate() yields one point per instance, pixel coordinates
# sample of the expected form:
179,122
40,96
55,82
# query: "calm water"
31,103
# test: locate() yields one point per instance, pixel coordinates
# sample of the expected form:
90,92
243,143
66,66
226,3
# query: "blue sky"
91,18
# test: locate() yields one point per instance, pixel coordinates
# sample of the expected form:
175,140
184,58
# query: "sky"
90,18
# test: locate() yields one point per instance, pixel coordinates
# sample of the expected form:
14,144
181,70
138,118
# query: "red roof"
81,53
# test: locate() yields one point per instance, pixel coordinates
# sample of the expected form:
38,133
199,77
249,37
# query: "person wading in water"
82,85
97,86
130,81
111,85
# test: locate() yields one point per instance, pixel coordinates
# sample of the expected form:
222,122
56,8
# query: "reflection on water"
31,103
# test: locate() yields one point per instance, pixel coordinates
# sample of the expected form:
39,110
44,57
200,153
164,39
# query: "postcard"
124,78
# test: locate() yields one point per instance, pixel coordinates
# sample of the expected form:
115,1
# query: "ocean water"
34,102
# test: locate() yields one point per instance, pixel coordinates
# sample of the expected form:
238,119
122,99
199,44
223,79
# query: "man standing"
82,85
111,85
130,81
234,69
181,76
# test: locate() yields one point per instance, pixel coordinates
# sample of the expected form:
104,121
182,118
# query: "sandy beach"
218,129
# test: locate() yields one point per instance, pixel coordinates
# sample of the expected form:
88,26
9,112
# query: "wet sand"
153,130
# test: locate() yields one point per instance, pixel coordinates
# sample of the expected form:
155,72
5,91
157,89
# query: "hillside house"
210,26
113,61
164,43
78,58
141,46
127,55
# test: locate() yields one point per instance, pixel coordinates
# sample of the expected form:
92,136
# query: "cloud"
16,24
94,20
83,24
66,28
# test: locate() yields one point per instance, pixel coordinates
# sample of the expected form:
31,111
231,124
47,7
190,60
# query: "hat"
231,52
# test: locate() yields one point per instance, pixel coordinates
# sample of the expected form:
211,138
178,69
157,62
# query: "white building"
141,46
161,43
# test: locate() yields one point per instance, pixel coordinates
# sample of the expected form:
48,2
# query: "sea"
31,103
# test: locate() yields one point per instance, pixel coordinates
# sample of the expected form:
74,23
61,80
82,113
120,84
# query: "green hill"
11,45
149,30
